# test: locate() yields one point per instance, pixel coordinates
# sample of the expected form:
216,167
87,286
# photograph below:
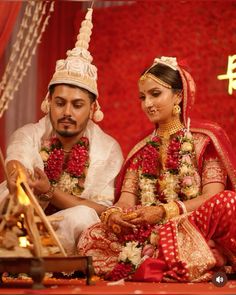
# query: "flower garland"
69,176
137,247
178,180
148,172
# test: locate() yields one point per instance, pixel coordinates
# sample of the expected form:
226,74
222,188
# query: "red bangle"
182,208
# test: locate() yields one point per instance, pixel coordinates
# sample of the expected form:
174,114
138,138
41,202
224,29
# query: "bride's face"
157,101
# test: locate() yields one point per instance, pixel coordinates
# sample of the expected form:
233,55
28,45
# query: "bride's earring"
98,114
176,110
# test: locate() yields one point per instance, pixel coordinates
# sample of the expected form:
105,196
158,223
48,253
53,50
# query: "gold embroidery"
138,146
193,249
213,171
200,142
228,165
131,182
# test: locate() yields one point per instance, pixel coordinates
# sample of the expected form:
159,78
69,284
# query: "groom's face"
70,110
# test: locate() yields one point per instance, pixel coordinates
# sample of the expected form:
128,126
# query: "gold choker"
167,129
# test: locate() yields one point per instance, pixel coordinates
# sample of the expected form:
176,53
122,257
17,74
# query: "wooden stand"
36,267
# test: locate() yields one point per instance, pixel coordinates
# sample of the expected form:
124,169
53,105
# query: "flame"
22,196
23,242
19,224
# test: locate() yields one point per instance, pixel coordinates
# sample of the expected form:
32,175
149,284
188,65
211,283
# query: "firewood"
10,240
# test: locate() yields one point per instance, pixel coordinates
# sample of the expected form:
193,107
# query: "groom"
71,163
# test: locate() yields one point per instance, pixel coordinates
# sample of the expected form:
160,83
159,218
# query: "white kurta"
105,162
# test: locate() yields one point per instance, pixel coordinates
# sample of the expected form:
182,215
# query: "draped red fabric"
8,13
2,144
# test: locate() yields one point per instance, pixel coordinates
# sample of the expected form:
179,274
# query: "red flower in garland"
76,164
120,271
172,161
54,164
140,235
150,157
78,159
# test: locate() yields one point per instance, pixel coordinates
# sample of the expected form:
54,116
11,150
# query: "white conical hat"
77,69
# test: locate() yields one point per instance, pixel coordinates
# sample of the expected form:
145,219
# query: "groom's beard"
67,133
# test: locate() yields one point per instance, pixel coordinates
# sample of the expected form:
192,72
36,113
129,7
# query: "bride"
175,215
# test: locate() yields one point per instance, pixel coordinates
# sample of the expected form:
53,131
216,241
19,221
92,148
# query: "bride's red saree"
182,253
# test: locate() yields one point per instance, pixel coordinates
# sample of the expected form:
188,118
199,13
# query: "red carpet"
75,286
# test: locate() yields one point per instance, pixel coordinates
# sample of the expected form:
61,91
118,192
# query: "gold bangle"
171,210
106,214
129,216
48,195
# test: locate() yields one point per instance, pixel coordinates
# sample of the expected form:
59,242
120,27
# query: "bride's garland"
68,176
178,180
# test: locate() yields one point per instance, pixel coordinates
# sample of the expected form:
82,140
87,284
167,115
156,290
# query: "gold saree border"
229,168
200,142
193,249
138,146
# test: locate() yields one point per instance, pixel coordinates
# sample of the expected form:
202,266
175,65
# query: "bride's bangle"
171,210
106,214
182,207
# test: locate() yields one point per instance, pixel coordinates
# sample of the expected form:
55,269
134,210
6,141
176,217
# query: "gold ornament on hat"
77,69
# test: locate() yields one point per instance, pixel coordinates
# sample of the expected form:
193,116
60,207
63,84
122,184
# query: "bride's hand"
149,215
118,224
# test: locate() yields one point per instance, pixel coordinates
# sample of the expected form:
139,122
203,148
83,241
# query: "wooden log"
32,230
42,215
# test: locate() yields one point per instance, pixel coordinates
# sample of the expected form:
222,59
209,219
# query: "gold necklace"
165,130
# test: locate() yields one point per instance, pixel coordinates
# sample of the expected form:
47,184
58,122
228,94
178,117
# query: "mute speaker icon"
219,279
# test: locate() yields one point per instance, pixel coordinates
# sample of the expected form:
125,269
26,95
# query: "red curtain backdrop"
126,39
8,14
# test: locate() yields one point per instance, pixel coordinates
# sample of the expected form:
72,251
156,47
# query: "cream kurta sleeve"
24,144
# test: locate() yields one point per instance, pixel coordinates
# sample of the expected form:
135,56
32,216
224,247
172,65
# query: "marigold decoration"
177,180
67,175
